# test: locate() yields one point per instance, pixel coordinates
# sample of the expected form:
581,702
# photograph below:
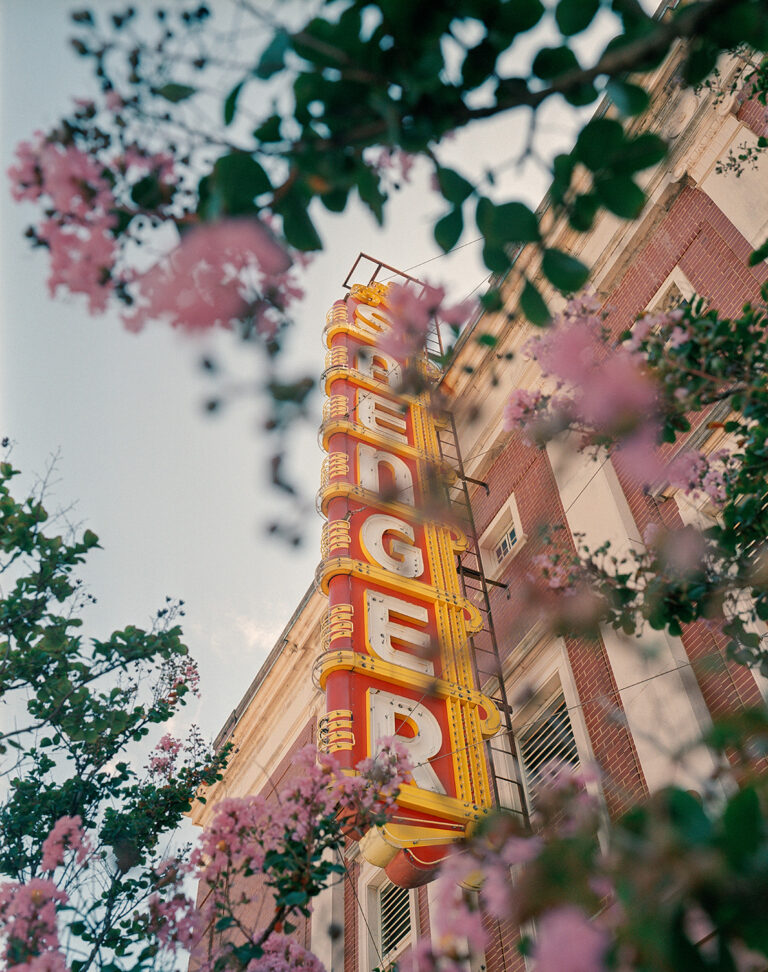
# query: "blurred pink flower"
520,404
28,925
284,954
411,314
212,278
567,941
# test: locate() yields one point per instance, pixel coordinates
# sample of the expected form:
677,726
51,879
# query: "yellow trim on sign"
406,585
354,661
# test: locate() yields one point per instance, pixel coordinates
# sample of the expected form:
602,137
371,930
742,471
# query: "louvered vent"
549,741
394,916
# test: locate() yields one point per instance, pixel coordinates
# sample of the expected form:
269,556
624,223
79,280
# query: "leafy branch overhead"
358,86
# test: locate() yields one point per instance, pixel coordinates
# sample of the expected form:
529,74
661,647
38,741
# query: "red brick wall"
423,910
526,471
753,114
351,930
713,255
501,953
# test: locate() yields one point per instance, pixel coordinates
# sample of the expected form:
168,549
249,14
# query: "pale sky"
179,499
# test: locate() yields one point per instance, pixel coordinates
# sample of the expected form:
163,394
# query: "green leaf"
742,824
564,271
230,105
630,99
448,230
272,59
621,195
518,17
688,815
702,57
573,16
758,255
238,178
147,192
492,300
598,142
551,62
294,898
512,222
534,307
639,153
454,187
298,228
269,131
336,200
479,64
487,340
496,258
582,214
368,188
175,92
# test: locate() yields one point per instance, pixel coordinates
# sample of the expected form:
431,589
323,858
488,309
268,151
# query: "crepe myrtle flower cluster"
29,929
244,830
606,392
246,836
107,206
285,837
506,867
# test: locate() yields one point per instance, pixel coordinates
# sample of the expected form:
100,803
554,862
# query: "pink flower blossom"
81,261
456,925
218,274
174,921
67,834
678,336
520,405
113,101
26,176
189,676
163,760
75,183
458,314
651,534
412,314
283,954
567,941
28,925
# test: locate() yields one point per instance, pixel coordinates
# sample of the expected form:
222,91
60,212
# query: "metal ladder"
501,750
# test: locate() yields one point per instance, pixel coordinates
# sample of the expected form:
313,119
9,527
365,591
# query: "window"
548,740
505,545
547,722
502,539
676,291
391,924
394,918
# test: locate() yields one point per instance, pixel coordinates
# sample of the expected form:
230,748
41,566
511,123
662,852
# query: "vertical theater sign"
396,658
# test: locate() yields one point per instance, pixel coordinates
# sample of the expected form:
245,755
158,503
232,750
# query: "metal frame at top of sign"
396,657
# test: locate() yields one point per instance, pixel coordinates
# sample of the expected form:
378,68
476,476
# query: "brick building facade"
630,711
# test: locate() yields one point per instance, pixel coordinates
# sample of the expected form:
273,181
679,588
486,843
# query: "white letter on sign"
372,321
384,707
382,612
380,366
380,415
368,462
407,560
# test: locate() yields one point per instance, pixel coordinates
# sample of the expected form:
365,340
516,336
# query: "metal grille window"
394,917
549,740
